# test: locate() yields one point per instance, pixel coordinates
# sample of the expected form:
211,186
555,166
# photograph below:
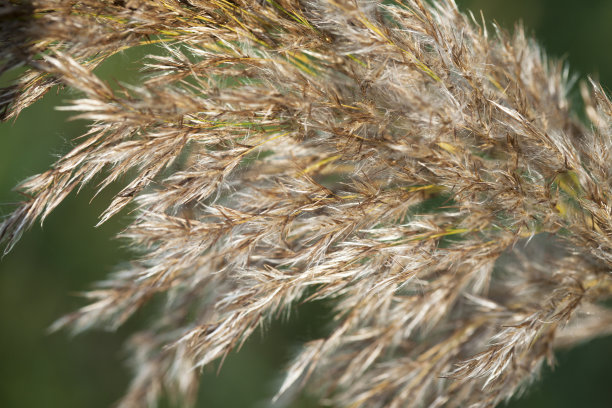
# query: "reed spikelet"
387,156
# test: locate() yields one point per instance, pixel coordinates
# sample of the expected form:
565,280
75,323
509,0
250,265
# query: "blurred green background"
40,277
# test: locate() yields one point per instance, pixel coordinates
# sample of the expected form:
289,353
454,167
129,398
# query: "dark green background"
39,278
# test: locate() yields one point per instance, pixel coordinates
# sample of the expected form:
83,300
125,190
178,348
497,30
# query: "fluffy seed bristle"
386,155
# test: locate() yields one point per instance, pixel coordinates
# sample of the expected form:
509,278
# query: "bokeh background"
40,279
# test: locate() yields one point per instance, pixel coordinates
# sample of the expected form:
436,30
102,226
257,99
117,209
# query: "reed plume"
419,168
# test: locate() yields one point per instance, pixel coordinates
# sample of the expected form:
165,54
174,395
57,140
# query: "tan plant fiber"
419,169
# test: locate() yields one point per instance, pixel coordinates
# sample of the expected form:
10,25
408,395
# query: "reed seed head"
421,169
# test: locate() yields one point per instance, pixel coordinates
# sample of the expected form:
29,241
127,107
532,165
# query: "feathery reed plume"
386,155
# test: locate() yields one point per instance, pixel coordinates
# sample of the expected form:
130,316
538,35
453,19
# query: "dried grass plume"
394,157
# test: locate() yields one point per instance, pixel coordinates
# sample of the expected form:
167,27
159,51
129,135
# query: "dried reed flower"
386,155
